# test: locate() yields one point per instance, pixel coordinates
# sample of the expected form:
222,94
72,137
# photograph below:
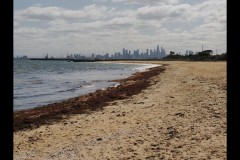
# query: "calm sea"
40,82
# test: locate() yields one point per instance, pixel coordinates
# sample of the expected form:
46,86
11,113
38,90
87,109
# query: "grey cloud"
29,31
159,2
124,27
163,12
49,13
211,9
119,22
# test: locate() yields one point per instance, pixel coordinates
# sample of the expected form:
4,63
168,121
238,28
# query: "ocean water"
39,82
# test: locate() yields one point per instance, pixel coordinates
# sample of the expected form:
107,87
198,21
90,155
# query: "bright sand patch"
182,115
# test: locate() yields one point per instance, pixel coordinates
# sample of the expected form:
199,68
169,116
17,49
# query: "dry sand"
182,115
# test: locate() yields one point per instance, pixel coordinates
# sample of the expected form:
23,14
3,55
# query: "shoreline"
84,87
181,115
54,112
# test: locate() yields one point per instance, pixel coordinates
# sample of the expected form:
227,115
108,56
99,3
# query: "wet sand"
179,114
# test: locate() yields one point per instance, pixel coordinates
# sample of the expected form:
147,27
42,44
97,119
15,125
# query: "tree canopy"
205,55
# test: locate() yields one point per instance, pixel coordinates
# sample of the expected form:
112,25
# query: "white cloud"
49,13
164,12
101,29
29,32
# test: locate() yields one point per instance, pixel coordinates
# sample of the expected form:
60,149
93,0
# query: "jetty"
64,59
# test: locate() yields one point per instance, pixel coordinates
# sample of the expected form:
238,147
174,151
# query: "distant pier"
64,59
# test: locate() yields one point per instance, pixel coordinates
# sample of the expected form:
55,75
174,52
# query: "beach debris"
179,114
99,139
171,133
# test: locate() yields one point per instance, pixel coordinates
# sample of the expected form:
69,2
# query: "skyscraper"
158,54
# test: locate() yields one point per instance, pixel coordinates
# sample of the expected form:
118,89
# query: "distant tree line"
205,55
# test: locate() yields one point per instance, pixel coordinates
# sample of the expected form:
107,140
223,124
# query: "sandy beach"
181,115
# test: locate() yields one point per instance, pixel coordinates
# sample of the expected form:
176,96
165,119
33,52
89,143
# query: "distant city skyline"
106,26
156,53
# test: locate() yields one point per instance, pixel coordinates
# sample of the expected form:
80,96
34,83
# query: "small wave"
67,90
115,85
35,81
87,85
144,67
33,77
98,80
36,95
60,72
67,82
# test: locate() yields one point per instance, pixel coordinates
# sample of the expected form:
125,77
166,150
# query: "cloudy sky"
106,26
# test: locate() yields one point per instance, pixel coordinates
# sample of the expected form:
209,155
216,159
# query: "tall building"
92,56
123,52
158,53
163,52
